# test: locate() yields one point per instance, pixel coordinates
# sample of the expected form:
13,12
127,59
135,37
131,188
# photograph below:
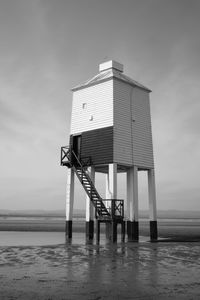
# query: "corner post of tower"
90,208
111,182
69,202
111,193
152,205
132,204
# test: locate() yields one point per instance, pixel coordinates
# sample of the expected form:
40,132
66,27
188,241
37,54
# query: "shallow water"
20,238
145,271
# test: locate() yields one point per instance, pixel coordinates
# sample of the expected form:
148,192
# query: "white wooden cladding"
142,135
122,123
132,126
116,103
98,110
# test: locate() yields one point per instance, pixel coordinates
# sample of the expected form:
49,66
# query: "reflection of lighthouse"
110,133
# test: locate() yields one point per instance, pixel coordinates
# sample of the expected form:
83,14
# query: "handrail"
71,152
91,183
86,160
88,177
77,159
65,150
116,207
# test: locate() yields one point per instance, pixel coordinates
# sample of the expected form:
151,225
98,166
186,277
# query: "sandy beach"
168,269
121,271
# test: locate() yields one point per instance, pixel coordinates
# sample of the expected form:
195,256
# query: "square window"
84,105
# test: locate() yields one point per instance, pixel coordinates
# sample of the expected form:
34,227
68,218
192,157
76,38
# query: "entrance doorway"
76,147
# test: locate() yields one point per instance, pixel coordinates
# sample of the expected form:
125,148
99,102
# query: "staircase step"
92,192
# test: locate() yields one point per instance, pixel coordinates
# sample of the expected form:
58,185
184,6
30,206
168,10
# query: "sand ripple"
122,271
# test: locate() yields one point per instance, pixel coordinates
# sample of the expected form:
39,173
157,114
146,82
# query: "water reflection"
107,270
20,238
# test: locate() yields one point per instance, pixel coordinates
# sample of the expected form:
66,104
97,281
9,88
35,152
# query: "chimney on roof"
111,64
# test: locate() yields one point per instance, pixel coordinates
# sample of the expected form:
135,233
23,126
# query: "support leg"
90,209
97,231
114,231
90,230
133,231
132,204
153,231
152,205
68,229
111,183
69,203
123,231
108,230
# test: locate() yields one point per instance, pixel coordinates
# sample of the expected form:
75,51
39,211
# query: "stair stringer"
92,193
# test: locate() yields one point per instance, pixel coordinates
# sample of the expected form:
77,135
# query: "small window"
91,118
84,105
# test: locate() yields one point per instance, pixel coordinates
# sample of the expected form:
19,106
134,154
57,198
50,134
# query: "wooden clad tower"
110,133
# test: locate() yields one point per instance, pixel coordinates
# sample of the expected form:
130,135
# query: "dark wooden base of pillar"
89,230
114,231
123,231
108,230
111,230
133,231
153,231
68,229
97,231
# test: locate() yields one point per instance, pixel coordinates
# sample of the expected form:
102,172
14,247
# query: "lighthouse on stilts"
110,133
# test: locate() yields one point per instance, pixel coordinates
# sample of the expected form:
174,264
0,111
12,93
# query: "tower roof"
108,70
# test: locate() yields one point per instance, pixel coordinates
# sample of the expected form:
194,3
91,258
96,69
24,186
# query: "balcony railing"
115,207
68,158
65,156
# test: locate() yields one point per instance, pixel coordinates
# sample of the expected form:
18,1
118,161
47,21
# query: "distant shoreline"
180,229
80,213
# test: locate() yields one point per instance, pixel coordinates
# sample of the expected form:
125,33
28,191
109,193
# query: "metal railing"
64,155
86,161
115,207
68,155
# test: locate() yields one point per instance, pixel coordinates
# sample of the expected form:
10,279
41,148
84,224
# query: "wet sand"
168,269
122,271
178,229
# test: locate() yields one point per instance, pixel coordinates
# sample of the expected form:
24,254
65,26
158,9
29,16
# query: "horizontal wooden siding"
98,145
122,123
132,126
92,107
141,132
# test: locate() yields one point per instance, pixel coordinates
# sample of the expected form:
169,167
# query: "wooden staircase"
101,210
70,160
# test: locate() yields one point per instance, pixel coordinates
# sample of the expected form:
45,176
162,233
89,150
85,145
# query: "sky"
49,46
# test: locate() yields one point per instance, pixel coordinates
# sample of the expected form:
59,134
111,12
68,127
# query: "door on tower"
76,147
